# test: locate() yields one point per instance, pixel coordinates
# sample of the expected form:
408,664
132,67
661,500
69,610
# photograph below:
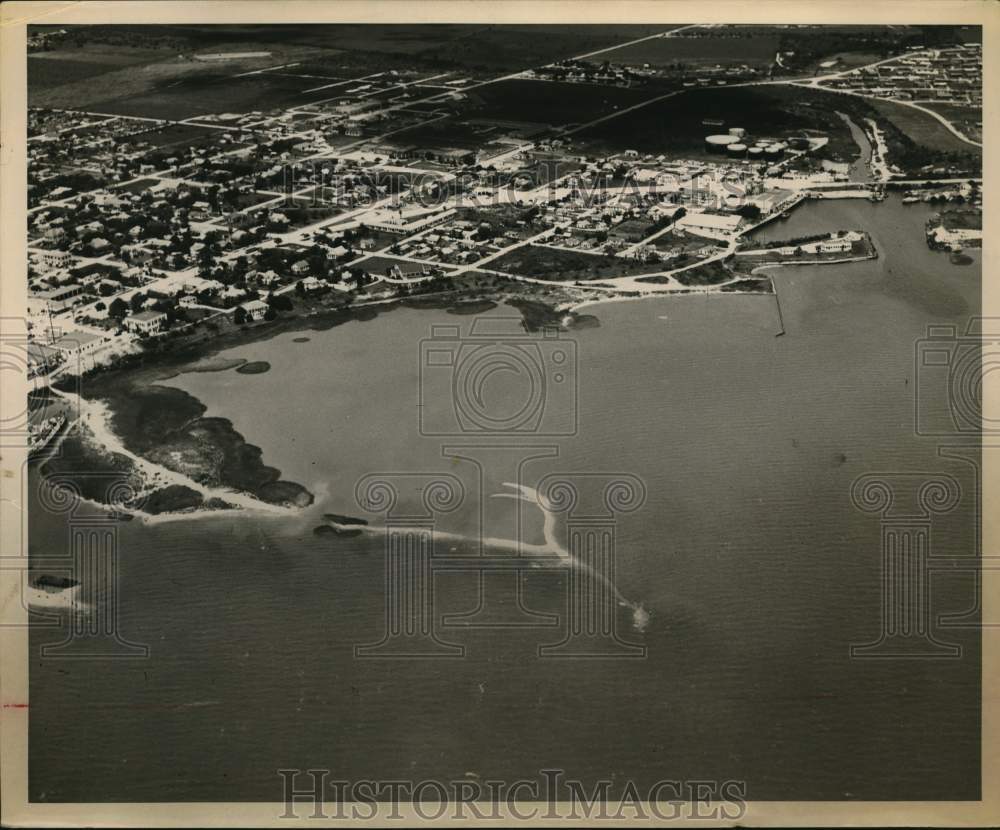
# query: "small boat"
909,200
41,436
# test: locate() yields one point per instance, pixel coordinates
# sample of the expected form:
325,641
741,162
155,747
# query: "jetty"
781,318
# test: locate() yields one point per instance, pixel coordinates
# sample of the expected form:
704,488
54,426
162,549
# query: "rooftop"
148,315
710,220
76,339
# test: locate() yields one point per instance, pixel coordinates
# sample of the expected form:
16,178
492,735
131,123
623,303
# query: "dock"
777,303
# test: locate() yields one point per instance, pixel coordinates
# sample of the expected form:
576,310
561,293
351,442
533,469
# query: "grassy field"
542,262
967,119
356,49
207,92
962,220
43,73
245,200
922,128
550,102
186,135
448,132
55,68
139,70
473,48
138,186
150,71
301,212
753,50
711,273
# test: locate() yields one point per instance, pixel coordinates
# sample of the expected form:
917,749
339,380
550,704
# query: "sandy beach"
95,420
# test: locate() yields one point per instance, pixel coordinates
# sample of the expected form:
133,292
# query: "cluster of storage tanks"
734,145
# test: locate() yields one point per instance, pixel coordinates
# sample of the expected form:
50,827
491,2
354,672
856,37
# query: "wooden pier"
777,303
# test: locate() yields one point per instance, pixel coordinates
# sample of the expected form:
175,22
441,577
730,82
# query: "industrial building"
719,143
717,226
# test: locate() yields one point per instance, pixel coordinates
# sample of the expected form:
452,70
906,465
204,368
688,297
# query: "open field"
44,73
559,265
132,66
751,49
372,47
240,200
967,119
206,92
187,135
138,186
474,48
551,102
711,273
54,68
303,212
962,220
340,51
922,128
447,132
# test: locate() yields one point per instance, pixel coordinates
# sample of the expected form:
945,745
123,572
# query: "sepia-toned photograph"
498,415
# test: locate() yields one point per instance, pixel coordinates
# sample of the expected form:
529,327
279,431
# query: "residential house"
255,309
145,322
56,259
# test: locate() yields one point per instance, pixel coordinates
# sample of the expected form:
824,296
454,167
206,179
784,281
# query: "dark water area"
859,170
257,367
757,571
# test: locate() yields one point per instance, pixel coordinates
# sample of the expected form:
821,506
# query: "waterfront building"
145,322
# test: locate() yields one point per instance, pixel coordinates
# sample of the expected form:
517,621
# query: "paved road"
912,105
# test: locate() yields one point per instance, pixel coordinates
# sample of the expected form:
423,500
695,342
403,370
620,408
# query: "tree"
239,316
118,309
136,301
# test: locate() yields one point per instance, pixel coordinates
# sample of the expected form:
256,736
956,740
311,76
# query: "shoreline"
152,481
844,261
137,387
110,393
